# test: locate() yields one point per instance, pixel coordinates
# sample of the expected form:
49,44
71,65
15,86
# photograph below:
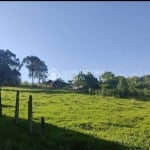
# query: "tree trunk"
39,81
32,78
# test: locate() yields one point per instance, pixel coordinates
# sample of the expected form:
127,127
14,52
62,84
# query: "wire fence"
11,105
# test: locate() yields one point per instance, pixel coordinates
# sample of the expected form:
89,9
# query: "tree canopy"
86,82
9,68
36,67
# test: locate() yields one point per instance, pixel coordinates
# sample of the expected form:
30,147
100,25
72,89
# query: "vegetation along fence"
16,112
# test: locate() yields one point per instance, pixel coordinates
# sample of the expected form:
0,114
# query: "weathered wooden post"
42,124
17,108
30,114
0,104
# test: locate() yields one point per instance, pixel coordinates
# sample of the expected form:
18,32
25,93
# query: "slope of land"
74,121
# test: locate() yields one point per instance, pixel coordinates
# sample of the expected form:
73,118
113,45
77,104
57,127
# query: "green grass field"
74,122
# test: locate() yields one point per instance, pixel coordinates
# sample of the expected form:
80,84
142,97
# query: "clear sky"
74,36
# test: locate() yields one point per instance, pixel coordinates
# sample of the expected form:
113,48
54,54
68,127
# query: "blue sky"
74,36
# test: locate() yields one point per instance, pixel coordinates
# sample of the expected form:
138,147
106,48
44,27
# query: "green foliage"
37,68
122,86
106,76
108,84
9,68
80,80
59,84
119,86
41,71
86,82
92,82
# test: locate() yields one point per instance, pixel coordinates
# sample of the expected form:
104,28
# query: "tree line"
108,84
111,85
10,67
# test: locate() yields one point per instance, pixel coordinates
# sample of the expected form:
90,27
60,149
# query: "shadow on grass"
7,106
54,138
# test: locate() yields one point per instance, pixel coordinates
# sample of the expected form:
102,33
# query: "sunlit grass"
122,120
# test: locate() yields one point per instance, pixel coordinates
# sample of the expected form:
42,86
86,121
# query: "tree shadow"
14,137
7,106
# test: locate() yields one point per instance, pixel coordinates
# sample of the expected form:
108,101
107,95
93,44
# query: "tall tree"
146,81
122,86
92,82
41,72
133,85
107,76
80,80
9,68
86,81
59,84
31,63
109,83
37,68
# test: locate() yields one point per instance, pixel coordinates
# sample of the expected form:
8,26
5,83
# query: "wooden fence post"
0,104
30,114
42,124
17,108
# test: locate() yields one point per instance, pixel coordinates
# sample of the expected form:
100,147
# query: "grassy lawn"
75,121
